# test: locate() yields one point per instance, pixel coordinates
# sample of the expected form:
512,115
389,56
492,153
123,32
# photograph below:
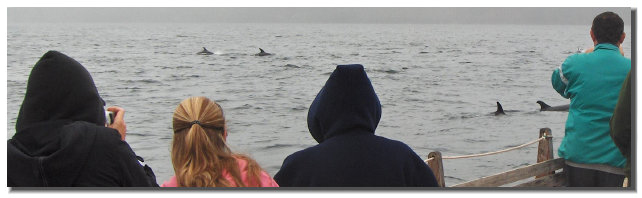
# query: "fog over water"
560,16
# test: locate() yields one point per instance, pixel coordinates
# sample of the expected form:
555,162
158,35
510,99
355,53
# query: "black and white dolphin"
545,107
204,52
262,53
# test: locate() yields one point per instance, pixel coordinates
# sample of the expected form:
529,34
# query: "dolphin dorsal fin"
500,110
261,50
542,105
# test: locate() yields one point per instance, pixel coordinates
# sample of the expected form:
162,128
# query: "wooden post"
437,167
545,149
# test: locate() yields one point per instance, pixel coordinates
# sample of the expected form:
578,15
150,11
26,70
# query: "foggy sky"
576,16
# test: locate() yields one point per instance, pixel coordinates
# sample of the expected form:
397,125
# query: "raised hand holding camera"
118,121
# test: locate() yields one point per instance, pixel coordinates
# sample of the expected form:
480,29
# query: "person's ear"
225,132
622,38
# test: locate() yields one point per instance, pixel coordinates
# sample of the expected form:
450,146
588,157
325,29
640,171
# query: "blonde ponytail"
199,152
198,167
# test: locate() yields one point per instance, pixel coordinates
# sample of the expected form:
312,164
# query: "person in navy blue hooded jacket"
343,118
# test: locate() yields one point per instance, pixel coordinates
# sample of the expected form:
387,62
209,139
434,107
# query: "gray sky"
314,15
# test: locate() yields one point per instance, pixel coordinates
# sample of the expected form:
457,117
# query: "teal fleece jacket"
592,81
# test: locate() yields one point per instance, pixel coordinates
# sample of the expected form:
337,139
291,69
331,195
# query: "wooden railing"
511,176
543,171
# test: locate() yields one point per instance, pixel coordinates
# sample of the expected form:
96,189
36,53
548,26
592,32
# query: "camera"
109,118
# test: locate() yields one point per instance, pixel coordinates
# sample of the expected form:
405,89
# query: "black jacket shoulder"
76,154
112,162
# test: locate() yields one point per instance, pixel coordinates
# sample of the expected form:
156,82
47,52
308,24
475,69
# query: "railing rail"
543,170
515,174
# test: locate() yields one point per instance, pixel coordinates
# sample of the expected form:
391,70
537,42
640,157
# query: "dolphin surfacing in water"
546,107
204,52
500,110
262,53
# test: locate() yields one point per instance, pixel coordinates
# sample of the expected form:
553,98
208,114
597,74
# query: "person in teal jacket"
592,81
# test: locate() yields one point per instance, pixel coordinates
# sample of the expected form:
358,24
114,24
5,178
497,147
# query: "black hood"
59,88
346,103
57,123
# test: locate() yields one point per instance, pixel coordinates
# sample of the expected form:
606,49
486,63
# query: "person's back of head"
60,88
61,123
608,27
347,102
199,152
343,118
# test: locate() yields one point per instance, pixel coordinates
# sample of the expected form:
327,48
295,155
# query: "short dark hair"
607,28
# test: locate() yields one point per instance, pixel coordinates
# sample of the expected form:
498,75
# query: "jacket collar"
607,46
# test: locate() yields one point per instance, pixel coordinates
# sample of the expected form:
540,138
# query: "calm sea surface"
438,84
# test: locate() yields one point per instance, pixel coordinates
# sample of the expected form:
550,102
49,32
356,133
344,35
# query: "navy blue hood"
346,103
60,88
343,118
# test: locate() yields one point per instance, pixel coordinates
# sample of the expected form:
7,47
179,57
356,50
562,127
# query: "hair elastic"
204,126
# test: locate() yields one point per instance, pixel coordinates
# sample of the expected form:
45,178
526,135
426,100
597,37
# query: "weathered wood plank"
515,174
555,180
545,149
437,167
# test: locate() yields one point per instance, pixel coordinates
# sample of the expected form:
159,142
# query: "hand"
119,121
589,50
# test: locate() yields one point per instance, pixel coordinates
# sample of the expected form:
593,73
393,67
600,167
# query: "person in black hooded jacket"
342,119
61,139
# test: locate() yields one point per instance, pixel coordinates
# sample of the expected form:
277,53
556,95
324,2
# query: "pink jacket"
266,180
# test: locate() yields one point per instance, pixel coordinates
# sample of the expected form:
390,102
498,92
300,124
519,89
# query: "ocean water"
438,84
